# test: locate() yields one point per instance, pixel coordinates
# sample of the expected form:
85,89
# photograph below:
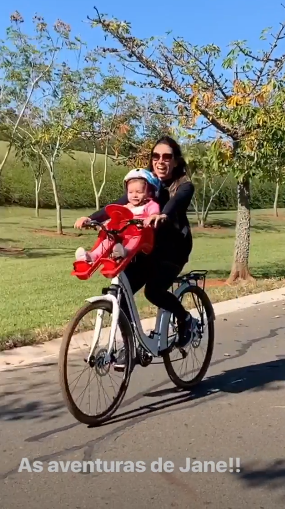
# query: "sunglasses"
164,157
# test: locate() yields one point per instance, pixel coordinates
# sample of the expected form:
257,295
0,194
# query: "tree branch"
267,57
206,68
133,46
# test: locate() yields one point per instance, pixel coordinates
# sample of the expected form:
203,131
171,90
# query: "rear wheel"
202,310
74,352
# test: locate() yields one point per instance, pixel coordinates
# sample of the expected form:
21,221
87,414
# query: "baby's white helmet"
141,173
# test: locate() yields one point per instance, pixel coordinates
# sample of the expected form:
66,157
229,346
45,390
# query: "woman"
173,240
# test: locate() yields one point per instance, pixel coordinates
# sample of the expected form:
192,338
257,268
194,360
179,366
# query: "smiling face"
137,191
163,161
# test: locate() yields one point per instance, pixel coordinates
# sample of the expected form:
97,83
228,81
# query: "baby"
141,188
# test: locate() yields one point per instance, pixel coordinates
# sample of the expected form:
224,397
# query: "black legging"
159,270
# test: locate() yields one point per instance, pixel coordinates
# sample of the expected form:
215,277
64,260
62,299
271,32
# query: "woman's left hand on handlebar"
155,219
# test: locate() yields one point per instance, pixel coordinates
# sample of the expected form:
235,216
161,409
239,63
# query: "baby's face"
136,192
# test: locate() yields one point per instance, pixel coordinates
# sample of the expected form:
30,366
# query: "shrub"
75,188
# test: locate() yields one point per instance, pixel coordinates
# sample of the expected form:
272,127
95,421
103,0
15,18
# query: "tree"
269,139
148,118
34,161
49,135
25,64
208,164
126,138
275,204
51,123
206,97
99,117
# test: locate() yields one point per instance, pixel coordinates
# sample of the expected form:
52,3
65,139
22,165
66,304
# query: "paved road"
239,411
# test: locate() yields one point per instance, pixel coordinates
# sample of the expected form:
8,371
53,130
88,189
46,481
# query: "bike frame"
154,344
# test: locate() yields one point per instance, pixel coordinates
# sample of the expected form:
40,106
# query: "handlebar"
93,223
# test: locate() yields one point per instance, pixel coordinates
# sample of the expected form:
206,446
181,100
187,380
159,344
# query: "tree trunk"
203,202
37,202
105,170
5,158
38,181
50,166
206,216
57,203
97,203
196,208
214,193
98,193
92,170
240,270
275,206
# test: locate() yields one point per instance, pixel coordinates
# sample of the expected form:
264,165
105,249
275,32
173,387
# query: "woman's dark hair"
181,167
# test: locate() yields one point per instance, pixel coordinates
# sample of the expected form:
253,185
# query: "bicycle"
160,342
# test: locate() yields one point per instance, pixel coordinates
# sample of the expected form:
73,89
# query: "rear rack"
194,275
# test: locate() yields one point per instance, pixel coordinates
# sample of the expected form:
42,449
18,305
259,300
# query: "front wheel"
73,356
202,309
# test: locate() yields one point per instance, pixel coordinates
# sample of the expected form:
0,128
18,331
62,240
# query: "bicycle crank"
143,357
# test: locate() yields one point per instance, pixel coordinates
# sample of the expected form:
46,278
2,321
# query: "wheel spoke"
96,372
182,374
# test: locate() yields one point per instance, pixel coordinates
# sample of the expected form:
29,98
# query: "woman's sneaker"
120,363
143,358
187,331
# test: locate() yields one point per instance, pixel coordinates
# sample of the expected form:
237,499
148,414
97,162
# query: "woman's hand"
155,219
79,222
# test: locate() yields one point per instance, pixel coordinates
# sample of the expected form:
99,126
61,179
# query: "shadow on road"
256,474
48,405
23,399
253,377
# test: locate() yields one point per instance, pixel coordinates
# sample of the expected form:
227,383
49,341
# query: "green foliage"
206,98
74,183
26,64
75,187
262,195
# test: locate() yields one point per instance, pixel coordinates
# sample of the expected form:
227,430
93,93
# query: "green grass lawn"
38,294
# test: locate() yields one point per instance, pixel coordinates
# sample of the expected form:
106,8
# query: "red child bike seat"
119,217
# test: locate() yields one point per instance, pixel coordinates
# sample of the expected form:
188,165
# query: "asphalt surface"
237,412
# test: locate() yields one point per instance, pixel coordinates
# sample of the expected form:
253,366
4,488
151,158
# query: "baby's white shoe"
119,251
82,255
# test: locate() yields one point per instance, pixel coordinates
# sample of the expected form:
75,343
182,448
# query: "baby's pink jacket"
146,210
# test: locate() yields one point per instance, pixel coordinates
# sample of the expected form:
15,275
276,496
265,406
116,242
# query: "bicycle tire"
201,294
128,340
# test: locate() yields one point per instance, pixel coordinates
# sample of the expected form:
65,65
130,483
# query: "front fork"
96,333
98,325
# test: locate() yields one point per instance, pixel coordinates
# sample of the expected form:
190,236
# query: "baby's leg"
131,244
92,256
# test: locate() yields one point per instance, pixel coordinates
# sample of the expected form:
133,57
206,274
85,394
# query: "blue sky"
200,22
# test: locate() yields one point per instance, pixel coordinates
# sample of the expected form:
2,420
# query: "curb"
36,354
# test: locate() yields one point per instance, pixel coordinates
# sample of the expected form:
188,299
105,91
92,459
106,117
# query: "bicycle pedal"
112,358
183,352
121,369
